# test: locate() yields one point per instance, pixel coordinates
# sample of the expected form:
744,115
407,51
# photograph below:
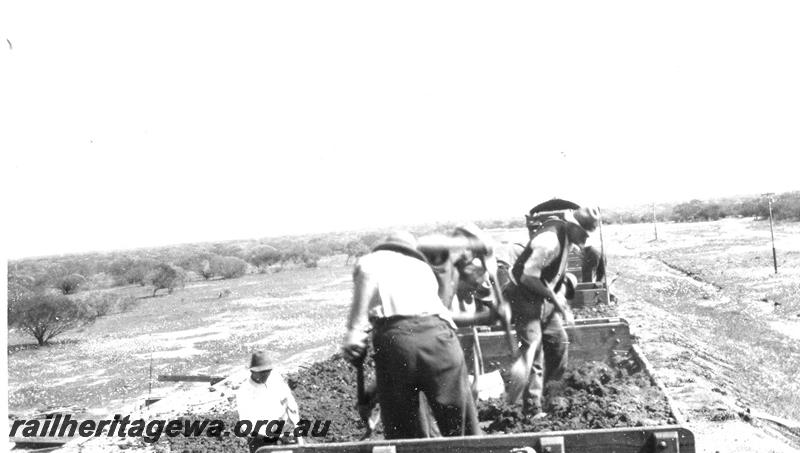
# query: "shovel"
499,301
520,370
365,404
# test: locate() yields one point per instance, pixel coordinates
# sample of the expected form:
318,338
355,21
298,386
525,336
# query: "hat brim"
400,248
261,368
554,204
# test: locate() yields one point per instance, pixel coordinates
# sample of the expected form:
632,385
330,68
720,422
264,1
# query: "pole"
603,258
655,230
772,235
150,381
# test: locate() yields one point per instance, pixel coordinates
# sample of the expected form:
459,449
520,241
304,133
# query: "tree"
227,249
20,288
166,276
264,256
140,272
372,239
44,316
228,266
119,269
199,263
354,249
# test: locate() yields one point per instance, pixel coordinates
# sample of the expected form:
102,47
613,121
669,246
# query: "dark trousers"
422,354
539,327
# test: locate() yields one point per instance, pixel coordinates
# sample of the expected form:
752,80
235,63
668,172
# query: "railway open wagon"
601,339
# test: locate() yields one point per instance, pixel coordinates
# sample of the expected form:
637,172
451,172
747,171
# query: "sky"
133,124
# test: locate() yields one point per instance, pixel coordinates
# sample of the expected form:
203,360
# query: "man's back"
400,285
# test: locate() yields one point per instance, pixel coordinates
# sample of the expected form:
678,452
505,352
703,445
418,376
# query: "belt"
382,323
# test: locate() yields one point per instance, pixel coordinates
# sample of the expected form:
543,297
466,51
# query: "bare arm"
355,341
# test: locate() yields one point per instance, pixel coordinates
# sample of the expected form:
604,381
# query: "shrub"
119,269
45,316
321,246
264,256
310,259
204,269
166,276
228,266
70,284
99,280
227,250
102,304
140,272
126,303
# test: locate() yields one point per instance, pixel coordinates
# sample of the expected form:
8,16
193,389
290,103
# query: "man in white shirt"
266,401
396,295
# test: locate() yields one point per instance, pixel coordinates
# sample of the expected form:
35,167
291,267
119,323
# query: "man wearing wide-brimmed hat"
265,396
538,301
415,344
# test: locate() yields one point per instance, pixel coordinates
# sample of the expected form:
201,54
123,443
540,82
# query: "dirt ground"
718,325
591,395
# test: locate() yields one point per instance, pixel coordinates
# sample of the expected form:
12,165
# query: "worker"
592,260
463,280
463,288
537,288
265,397
415,344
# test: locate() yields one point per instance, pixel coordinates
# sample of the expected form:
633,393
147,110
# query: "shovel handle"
500,302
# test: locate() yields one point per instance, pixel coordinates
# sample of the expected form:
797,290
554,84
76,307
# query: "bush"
228,267
102,304
99,280
264,256
45,316
140,272
166,276
70,284
227,250
310,259
119,268
355,249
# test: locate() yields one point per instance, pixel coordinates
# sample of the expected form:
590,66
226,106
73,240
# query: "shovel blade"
518,380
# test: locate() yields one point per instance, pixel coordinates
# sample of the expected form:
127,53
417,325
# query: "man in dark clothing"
537,297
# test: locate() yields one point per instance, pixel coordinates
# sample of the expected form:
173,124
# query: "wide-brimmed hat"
588,218
401,242
260,361
477,235
554,204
